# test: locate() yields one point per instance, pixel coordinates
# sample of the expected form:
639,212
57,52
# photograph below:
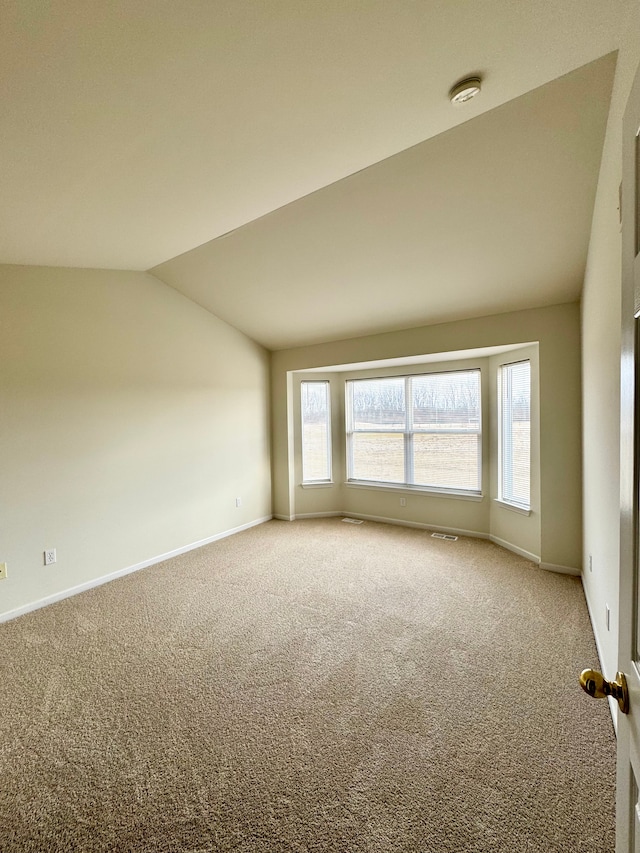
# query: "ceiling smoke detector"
465,90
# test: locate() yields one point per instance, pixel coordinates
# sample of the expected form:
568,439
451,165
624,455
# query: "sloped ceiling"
492,216
133,132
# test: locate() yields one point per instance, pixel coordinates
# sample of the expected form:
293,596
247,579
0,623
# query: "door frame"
628,728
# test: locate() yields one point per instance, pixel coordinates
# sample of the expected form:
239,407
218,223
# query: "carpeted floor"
309,686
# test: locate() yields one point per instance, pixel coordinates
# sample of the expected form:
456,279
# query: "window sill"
413,490
321,484
513,507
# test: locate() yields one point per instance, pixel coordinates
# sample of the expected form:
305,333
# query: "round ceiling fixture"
465,90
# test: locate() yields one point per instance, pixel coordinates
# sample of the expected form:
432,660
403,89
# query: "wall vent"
354,520
446,536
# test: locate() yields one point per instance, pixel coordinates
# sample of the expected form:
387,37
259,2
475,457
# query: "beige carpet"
309,686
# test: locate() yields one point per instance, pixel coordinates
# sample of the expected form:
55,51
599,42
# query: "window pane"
316,431
515,432
447,400
377,456
378,403
447,461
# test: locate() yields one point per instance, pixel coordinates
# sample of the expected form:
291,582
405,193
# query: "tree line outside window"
422,431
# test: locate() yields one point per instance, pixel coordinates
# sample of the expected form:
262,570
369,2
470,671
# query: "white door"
628,774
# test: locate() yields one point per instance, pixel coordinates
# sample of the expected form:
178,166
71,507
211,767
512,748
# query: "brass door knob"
596,685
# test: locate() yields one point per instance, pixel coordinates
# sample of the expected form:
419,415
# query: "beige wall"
130,420
601,368
557,330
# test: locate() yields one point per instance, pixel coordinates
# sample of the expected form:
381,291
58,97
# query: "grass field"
446,461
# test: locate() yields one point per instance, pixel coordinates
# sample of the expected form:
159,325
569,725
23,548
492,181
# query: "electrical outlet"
590,563
3,571
238,501
403,501
50,556
608,616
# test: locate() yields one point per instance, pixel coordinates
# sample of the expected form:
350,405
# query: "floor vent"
354,520
446,536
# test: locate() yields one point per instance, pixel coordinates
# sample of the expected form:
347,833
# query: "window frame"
329,433
408,432
506,496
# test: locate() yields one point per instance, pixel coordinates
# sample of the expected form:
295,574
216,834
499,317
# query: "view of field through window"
420,430
384,457
515,443
316,431
416,430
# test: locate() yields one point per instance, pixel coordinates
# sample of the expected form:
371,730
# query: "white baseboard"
563,570
515,548
613,705
455,531
421,525
74,590
284,517
332,514
397,521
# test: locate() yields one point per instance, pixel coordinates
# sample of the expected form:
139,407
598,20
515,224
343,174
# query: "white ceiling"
490,217
132,131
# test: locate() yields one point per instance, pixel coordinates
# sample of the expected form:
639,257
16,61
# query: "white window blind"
515,433
419,431
316,432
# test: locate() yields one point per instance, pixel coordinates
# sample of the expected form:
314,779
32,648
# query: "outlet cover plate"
3,571
50,556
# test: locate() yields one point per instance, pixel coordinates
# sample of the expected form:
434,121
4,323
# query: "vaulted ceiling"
136,135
